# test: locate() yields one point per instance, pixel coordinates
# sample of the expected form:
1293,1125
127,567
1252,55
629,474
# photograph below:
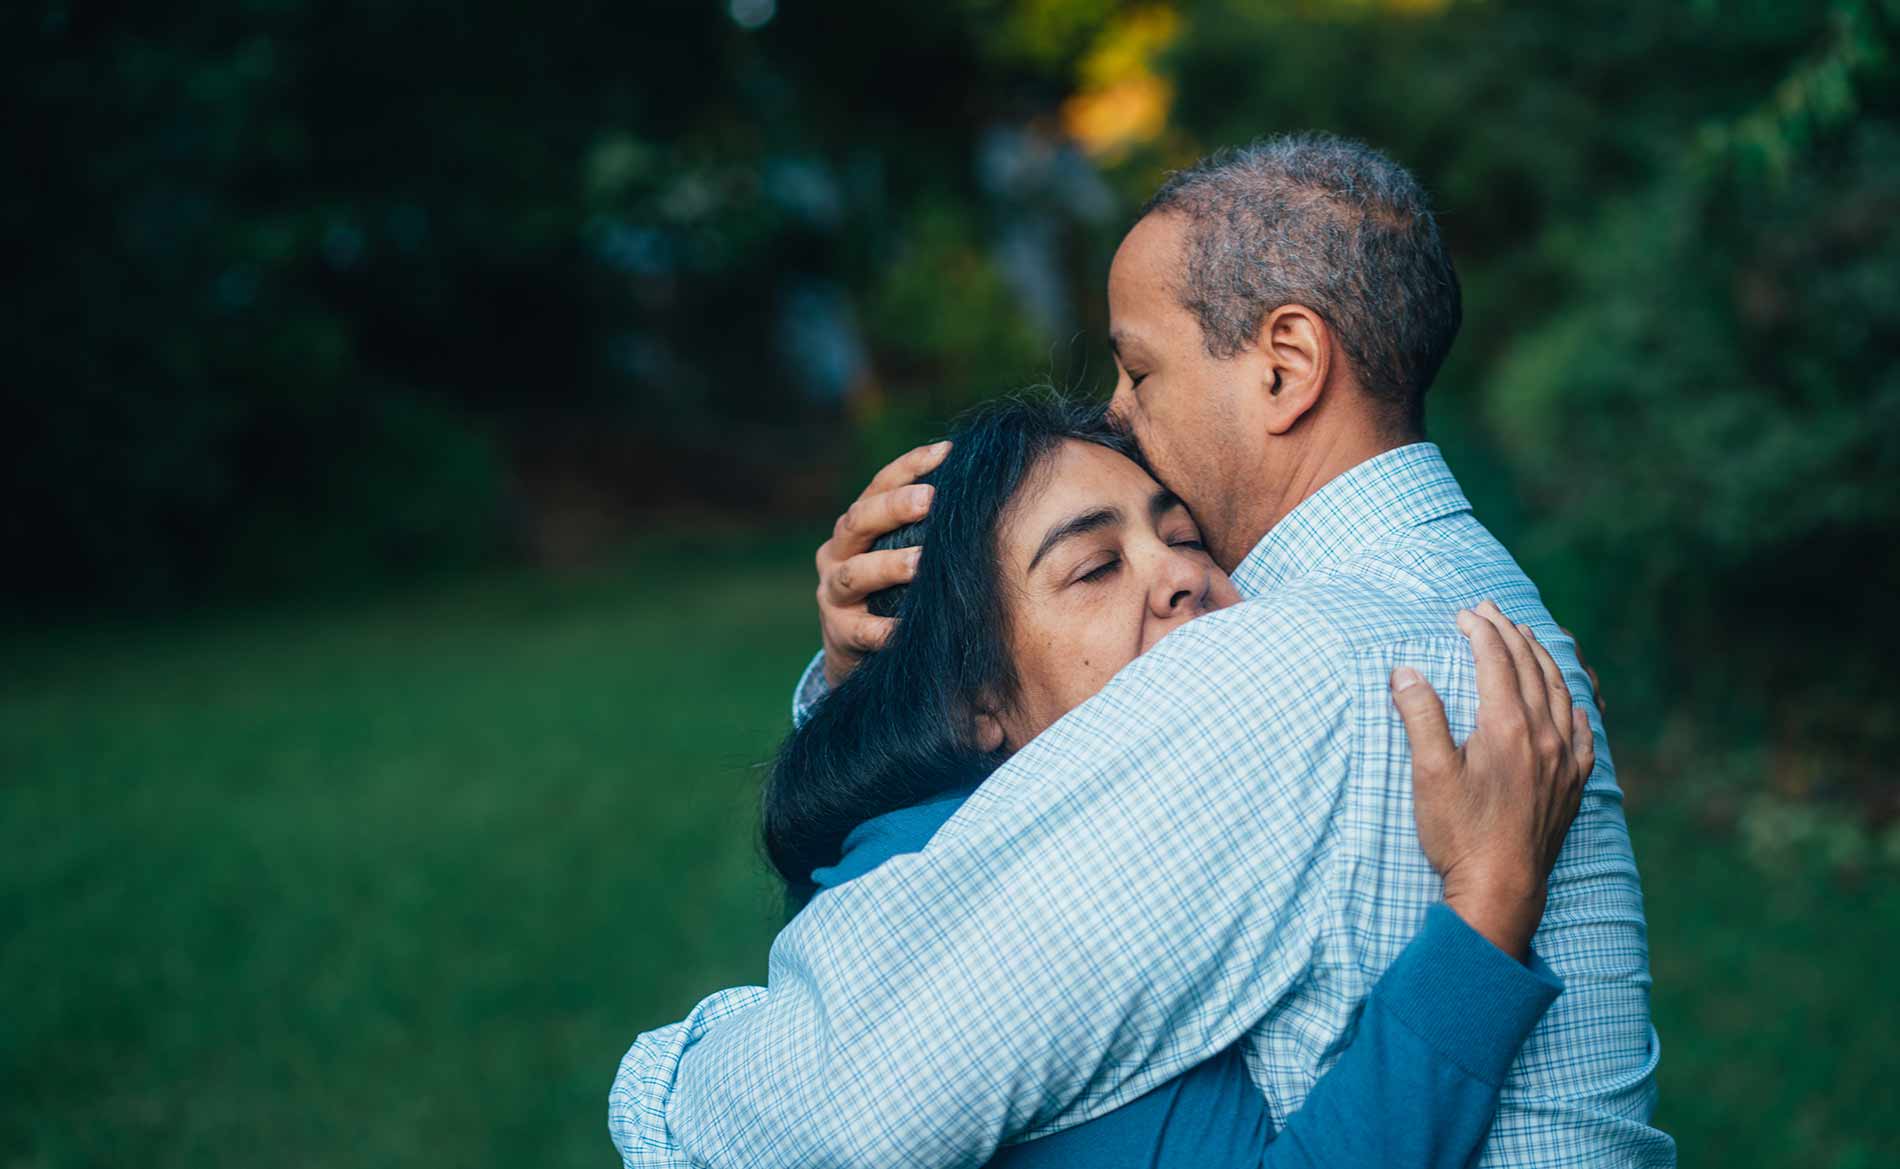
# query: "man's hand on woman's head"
1492,814
849,571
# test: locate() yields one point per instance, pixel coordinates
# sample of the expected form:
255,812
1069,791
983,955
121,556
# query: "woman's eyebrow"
1093,520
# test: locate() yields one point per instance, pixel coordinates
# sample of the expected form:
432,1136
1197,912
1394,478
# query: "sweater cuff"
1469,1000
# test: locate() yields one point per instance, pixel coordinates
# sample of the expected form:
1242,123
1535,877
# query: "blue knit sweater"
1417,1085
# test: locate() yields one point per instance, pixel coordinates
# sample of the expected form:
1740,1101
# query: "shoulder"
1289,644
1404,590
1262,678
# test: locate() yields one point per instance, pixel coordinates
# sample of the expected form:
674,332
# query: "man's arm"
637,1104
1118,903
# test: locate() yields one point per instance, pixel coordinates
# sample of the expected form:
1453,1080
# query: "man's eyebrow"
1163,502
1093,520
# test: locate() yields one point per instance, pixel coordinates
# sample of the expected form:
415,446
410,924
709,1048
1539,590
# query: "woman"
1049,560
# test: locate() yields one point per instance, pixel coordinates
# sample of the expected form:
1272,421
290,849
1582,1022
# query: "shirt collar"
1387,493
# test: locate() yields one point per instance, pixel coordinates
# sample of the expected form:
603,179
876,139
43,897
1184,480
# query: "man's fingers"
869,572
1556,690
863,634
906,468
1529,678
1425,725
874,516
1498,693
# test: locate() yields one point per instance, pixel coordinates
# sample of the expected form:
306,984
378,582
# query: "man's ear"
1297,349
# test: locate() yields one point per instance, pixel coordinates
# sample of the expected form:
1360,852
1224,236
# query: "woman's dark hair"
898,731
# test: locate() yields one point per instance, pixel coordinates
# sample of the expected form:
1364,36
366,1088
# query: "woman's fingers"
1525,671
1583,741
906,468
868,572
1433,752
1499,696
1556,690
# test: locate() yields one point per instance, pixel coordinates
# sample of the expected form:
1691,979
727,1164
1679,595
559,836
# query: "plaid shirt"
1217,847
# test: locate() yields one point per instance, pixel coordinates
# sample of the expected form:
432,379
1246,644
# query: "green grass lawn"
397,885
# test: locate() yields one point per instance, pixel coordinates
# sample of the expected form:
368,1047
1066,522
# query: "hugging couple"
1124,816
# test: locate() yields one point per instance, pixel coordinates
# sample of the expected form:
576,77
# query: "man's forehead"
1142,277
1152,248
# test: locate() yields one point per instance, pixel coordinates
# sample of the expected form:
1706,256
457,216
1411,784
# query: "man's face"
1194,415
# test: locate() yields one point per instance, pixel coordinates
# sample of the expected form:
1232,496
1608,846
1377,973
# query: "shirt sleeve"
1418,1085
811,689
637,1103
1120,902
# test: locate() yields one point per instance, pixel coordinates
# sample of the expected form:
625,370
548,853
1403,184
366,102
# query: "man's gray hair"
1330,224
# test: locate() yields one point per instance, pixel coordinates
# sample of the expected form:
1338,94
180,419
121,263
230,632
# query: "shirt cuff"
811,689
1471,1001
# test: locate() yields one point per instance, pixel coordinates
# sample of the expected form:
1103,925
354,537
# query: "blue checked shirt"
1217,847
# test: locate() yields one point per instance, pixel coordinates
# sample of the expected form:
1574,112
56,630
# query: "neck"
1314,463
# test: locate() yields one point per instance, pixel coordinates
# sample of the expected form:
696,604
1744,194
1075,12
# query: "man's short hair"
1330,224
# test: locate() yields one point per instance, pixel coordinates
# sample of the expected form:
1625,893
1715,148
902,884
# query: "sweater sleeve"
1416,1087
1418,1083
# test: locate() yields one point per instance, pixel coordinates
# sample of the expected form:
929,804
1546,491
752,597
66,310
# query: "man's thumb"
1424,717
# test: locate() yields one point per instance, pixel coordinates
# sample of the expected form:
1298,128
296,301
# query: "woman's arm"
1417,1084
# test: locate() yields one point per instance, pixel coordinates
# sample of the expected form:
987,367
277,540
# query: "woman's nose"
1181,586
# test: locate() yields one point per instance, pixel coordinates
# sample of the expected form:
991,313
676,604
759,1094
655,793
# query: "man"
1218,846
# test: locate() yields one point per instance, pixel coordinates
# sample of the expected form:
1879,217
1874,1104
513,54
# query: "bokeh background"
419,418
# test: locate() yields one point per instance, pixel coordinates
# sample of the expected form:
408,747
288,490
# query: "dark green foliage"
1675,393
281,268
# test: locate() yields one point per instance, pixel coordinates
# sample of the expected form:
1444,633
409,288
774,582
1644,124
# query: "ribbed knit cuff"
1470,1000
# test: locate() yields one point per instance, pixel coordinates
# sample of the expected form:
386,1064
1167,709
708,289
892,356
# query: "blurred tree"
320,293
1675,224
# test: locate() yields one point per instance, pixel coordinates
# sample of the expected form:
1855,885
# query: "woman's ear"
1297,347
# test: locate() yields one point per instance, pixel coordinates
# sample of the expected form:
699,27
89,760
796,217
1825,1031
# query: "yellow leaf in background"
1122,101
1109,121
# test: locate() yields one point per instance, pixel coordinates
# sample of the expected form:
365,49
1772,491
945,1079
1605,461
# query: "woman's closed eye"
1101,571
1185,536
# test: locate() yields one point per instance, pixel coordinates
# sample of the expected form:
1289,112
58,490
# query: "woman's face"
1099,564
